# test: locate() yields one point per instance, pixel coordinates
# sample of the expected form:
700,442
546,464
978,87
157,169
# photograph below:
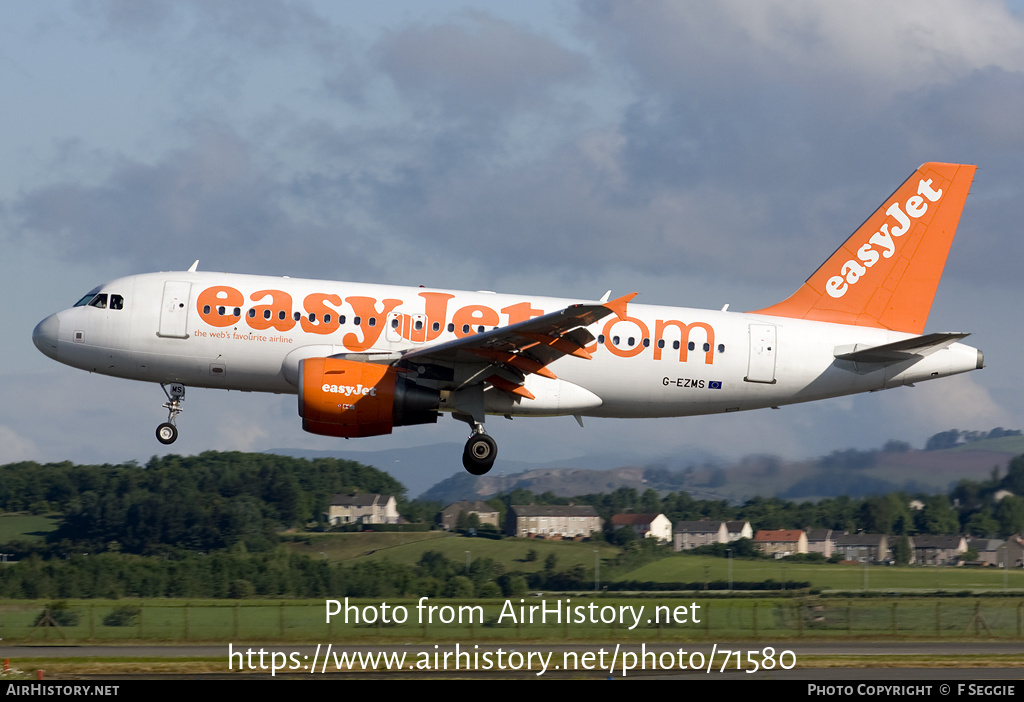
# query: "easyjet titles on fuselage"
322,313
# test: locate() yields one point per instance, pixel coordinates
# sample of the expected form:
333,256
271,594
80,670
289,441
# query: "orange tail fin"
886,273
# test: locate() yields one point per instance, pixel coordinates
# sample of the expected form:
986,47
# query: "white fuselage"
654,362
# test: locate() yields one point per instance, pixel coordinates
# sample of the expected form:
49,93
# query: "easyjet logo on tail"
883,243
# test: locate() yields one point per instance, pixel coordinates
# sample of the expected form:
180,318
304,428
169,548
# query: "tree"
937,516
901,551
1010,515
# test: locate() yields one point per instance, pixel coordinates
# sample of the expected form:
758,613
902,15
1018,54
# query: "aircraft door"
761,368
174,310
405,327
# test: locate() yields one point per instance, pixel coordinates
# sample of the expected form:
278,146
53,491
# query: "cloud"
477,67
875,48
208,200
954,403
15,447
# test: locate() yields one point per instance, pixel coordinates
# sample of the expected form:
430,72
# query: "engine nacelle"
351,398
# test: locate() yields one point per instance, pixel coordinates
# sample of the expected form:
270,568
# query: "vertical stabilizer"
886,273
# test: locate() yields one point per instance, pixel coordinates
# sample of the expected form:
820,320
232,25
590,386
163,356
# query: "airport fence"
526,619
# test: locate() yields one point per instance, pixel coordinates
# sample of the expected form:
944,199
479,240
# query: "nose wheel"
480,452
167,433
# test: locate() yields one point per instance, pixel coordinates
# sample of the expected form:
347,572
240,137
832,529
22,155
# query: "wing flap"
523,348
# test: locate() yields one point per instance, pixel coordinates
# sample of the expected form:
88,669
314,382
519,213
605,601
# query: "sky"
700,153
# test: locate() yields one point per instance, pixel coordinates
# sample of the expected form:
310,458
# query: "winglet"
618,305
194,266
886,273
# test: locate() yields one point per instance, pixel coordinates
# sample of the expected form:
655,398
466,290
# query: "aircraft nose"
44,336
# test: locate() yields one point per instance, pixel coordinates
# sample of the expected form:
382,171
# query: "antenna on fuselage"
194,266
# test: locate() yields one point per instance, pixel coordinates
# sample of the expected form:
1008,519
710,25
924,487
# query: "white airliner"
366,358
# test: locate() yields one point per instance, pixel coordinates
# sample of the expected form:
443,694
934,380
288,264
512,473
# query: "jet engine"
352,398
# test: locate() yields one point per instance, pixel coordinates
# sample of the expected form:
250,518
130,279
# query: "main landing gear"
167,433
479,454
481,450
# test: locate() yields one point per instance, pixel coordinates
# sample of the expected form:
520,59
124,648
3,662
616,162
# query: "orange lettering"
520,312
684,338
625,353
211,299
372,321
473,315
436,313
278,314
316,306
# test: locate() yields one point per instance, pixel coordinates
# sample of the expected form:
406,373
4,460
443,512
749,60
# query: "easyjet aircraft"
365,358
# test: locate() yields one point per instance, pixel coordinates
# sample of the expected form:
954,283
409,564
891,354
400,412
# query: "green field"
685,568
407,549
26,527
623,619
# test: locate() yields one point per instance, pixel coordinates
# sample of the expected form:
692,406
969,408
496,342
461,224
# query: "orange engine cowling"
350,398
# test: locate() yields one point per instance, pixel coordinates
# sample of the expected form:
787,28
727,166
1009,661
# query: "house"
1011,553
552,521
363,508
988,550
449,516
647,526
781,542
821,541
864,548
738,530
690,535
932,549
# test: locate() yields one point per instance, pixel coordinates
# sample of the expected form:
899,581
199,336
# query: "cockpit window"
88,298
100,301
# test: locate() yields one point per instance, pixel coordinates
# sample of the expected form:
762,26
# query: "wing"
503,357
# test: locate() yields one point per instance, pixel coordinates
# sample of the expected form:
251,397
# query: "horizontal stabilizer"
898,350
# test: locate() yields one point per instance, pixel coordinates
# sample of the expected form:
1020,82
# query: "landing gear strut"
167,432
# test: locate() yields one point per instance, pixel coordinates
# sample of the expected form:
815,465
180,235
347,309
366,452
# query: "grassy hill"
408,548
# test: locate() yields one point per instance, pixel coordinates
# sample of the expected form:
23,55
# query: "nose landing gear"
167,433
